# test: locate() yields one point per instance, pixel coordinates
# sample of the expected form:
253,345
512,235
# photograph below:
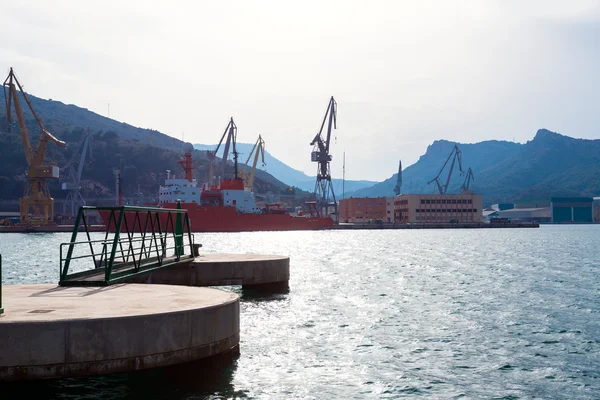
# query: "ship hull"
227,219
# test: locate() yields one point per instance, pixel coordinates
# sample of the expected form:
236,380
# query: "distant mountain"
549,165
58,116
478,156
142,156
287,174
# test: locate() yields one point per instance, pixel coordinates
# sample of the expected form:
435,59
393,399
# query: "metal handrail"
1,309
126,253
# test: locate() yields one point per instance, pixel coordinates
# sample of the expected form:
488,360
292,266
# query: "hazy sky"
404,73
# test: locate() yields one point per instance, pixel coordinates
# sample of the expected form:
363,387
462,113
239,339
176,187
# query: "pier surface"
258,271
48,331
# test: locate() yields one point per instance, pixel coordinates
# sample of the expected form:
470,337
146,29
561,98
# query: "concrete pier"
252,271
48,331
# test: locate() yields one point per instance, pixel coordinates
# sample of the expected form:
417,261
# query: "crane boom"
398,188
12,95
457,155
231,133
259,146
468,178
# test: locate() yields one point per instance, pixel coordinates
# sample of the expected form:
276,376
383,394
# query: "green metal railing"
136,240
1,309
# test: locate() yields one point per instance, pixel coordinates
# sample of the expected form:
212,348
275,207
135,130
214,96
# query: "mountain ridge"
551,164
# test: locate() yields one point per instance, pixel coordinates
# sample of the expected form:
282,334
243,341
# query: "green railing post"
1,309
65,270
116,269
178,232
109,266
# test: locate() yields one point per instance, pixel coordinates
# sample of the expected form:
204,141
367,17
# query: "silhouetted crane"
457,155
231,133
465,185
259,151
323,188
398,188
74,199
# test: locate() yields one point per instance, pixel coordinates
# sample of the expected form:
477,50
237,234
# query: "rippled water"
436,314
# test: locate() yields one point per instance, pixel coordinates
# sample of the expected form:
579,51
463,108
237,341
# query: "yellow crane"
259,146
36,205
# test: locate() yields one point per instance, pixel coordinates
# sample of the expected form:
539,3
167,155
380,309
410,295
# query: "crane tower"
259,151
74,199
398,188
36,205
467,182
324,194
231,133
455,154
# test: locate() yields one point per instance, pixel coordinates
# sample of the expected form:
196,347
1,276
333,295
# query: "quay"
127,302
472,225
49,228
48,331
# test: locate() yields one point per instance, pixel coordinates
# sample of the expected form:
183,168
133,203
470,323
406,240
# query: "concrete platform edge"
228,346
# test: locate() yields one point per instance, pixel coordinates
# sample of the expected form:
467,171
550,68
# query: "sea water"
385,314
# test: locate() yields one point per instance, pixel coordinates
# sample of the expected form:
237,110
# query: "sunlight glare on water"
458,313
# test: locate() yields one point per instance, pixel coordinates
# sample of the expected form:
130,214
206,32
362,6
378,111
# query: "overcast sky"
404,73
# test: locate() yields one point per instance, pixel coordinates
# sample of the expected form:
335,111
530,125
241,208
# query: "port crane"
231,134
455,154
320,154
258,150
74,198
465,185
398,188
37,205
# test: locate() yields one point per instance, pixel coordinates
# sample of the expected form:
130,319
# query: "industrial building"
572,209
438,208
536,214
389,209
363,209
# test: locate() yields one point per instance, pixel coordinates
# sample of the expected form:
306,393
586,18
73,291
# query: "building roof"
571,199
518,210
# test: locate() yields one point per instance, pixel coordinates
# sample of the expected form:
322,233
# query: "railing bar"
148,217
87,232
143,235
189,231
128,237
111,262
70,251
131,250
154,234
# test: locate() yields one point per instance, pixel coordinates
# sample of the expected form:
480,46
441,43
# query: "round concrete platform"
258,271
48,331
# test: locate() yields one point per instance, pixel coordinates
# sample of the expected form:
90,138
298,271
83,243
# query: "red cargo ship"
227,207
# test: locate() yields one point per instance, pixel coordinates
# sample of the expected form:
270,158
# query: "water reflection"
198,380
